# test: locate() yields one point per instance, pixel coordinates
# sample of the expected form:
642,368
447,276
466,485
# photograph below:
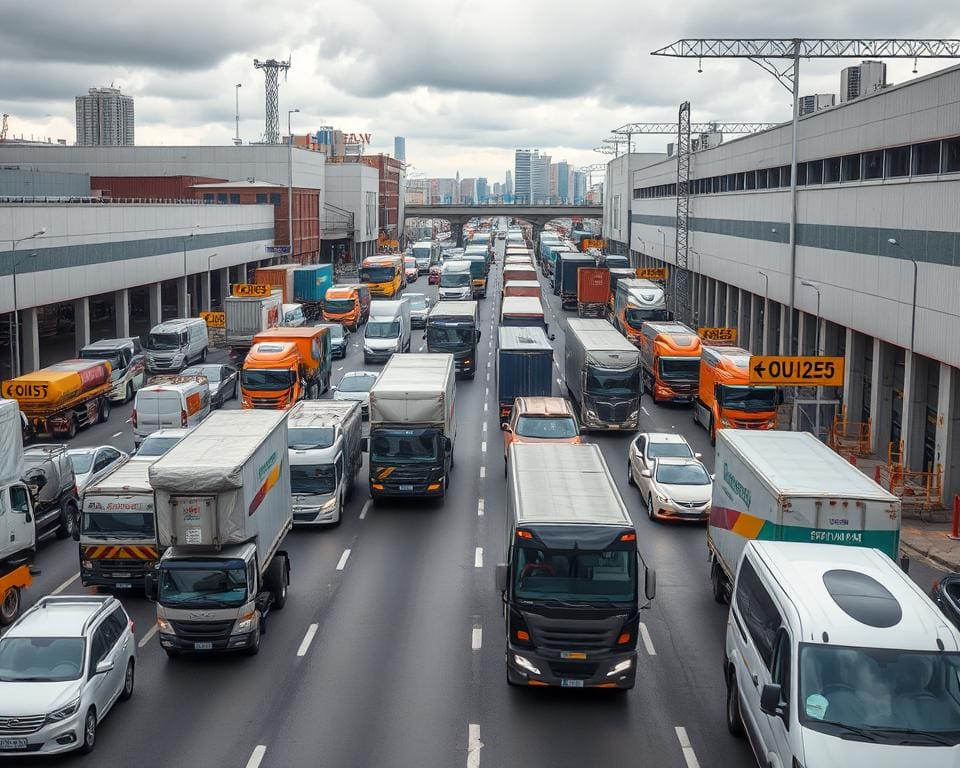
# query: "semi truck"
670,357
454,327
286,365
571,574
18,534
569,278
593,291
117,532
348,305
638,302
616,275
246,316
602,372
63,397
412,427
223,510
789,486
324,440
524,366
726,399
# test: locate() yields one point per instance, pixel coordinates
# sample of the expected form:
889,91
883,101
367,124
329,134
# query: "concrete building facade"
105,117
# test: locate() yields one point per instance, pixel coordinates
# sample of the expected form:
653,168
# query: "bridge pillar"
456,229
536,229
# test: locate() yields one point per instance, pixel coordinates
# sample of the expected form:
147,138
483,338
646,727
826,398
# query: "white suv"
62,666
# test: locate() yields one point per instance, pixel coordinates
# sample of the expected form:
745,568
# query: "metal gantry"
715,126
271,70
681,281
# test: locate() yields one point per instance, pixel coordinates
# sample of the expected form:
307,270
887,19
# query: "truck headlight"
634,415
725,422
623,666
367,349
523,663
329,505
64,712
87,565
165,626
245,623
591,413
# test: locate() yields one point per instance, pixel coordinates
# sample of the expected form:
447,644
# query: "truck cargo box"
280,276
524,366
310,283
11,443
247,316
415,389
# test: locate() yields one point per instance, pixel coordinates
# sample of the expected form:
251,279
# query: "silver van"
170,401
174,344
127,363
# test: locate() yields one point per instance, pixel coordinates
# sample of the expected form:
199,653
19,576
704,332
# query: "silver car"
91,464
676,489
419,309
356,385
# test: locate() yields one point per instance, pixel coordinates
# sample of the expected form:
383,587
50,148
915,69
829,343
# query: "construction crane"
271,70
3,127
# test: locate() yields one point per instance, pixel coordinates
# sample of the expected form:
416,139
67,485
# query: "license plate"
206,646
614,426
572,655
123,575
13,743
123,585
406,487
571,683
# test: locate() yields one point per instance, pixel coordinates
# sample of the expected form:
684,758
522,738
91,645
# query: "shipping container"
311,283
280,277
524,360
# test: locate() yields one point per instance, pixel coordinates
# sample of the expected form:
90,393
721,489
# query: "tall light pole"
186,284
913,308
209,284
290,183
236,92
816,337
15,316
766,308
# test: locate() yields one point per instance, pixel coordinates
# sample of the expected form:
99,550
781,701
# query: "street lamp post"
209,284
15,329
766,308
290,183
663,235
913,308
236,91
186,284
816,337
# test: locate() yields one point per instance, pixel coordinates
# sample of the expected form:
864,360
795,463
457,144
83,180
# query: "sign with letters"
598,244
250,289
651,273
797,371
718,334
214,319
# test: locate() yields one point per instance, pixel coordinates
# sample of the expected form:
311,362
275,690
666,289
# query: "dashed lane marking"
484,426
688,754
343,560
647,640
148,636
256,757
66,584
483,446
486,407
483,472
480,507
644,409
474,746
128,421
118,434
476,638
478,558
366,507
307,639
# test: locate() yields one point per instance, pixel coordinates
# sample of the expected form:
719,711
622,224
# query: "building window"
750,180
926,158
208,197
773,177
831,170
850,168
801,174
739,182
897,162
235,198
221,197
761,179
275,199
262,197
951,156
784,175
873,164
815,172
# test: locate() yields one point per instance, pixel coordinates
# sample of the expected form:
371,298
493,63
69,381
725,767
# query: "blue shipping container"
524,361
310,283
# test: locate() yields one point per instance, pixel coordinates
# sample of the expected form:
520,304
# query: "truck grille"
576,670
133,567
202,630
21,726
570,638
265,402
613,412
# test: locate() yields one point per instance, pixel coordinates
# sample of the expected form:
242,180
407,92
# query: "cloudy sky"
464,82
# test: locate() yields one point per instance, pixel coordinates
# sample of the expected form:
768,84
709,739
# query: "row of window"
234,198
926,159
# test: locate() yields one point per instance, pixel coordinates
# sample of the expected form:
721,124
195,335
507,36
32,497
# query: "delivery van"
169,401
174,344
128,369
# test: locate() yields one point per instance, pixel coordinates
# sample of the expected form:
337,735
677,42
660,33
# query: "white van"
293,316
174,344
170,401
387,331
128,369
834,657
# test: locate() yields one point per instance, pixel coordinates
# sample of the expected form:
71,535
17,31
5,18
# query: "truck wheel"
254,648
68,520
72,429
717,583
128,395
734,720
278,581
10,606
104,411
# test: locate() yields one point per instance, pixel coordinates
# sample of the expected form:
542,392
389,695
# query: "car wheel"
89,732
650,512
128,396
630,480
734,720
68,521
203,355
10,607
128,680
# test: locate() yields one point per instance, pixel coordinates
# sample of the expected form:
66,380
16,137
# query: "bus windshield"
384,274
607,576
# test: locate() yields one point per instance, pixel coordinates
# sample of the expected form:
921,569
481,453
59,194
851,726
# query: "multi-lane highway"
389,651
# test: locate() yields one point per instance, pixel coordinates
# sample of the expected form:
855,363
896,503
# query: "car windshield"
258,379
221,585
680,368
404,446
41,659
454,279
888,694
313,480
157,446
212,372
377,274
138,525
339,305
456,335
308,438
389,329
546,427
417,302
657,450
622,383
682,474
575,575
748,398
356,383
163,341
82,461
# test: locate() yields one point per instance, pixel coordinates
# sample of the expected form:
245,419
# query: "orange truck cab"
726,399
384,274
637,302
286,365
670,361
345,304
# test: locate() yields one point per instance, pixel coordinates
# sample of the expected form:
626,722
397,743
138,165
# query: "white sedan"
92,464
676,489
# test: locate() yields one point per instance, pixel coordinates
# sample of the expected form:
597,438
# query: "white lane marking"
128,421
256,757
486,391
486,407
148,636
474,746
478,558
366,507
307,639
66,584
647,640
483,472
688,754
483,446
118,434
480,507
484,426
644,409
340,368
343,559
488,377
420,350
476,638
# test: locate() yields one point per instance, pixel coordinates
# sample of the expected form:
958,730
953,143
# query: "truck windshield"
313,480
748,398
451,335
887,694
575,575
308,438
339,306
163,341
377,274
217,584
680,368
454,279
546,427
405,446
113,357
260,379
622,383
134,525
636,317
382,329
422,254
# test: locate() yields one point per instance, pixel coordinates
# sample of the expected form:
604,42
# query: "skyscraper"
104,118
400,148
579,187
539,177
866,77
522,176
483,190
508,187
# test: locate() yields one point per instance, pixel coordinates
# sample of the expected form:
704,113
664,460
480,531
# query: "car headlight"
366,348
64,712
623,666
328,505
663,499
523,663
591,413
634,415
245,623
165,627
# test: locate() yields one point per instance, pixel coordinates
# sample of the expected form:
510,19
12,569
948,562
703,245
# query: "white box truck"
223,509
246,316
788,486
412,426
325,445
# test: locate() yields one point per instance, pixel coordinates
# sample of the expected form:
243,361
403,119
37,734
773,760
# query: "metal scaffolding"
271,70
681,276
715,126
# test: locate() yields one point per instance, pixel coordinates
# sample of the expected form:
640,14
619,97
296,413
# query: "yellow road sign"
598,244
250,289
718,334
797,371
214,319
652,273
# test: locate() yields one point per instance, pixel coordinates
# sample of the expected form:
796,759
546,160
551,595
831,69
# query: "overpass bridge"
536,215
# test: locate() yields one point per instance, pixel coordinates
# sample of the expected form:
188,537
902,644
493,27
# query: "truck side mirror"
447,444
149,587
364,444
650,583
501,575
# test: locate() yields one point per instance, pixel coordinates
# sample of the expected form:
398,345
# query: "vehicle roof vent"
863,598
